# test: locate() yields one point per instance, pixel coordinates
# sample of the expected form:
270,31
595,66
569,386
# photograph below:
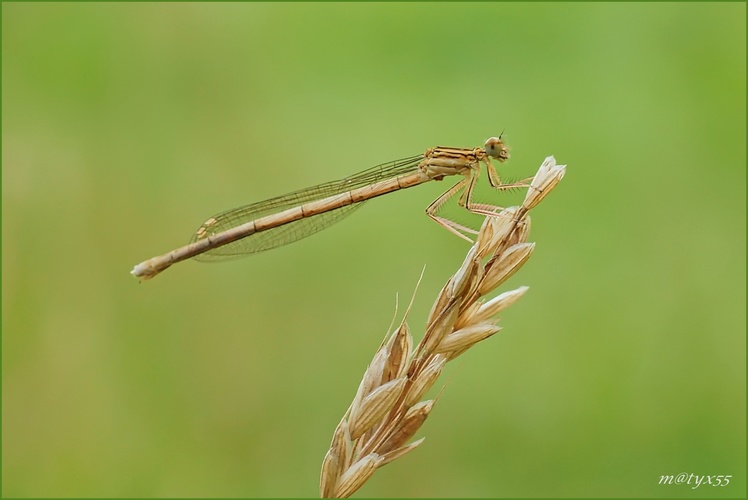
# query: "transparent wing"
296,230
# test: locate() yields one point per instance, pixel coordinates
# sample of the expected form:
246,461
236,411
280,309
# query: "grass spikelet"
387,410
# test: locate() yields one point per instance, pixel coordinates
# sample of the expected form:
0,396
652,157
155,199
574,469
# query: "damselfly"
285,219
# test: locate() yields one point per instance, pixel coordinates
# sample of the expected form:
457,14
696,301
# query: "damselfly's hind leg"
450,225
466,186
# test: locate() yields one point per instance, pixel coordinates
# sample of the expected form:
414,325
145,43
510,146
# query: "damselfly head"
495,148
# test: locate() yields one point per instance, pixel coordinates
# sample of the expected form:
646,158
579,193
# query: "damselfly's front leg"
495,181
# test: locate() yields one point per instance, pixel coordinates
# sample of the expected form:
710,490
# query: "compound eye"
495,148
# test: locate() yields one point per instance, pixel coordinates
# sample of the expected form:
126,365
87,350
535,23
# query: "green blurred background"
125,125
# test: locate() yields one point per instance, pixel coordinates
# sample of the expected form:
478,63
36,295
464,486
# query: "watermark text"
694,480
